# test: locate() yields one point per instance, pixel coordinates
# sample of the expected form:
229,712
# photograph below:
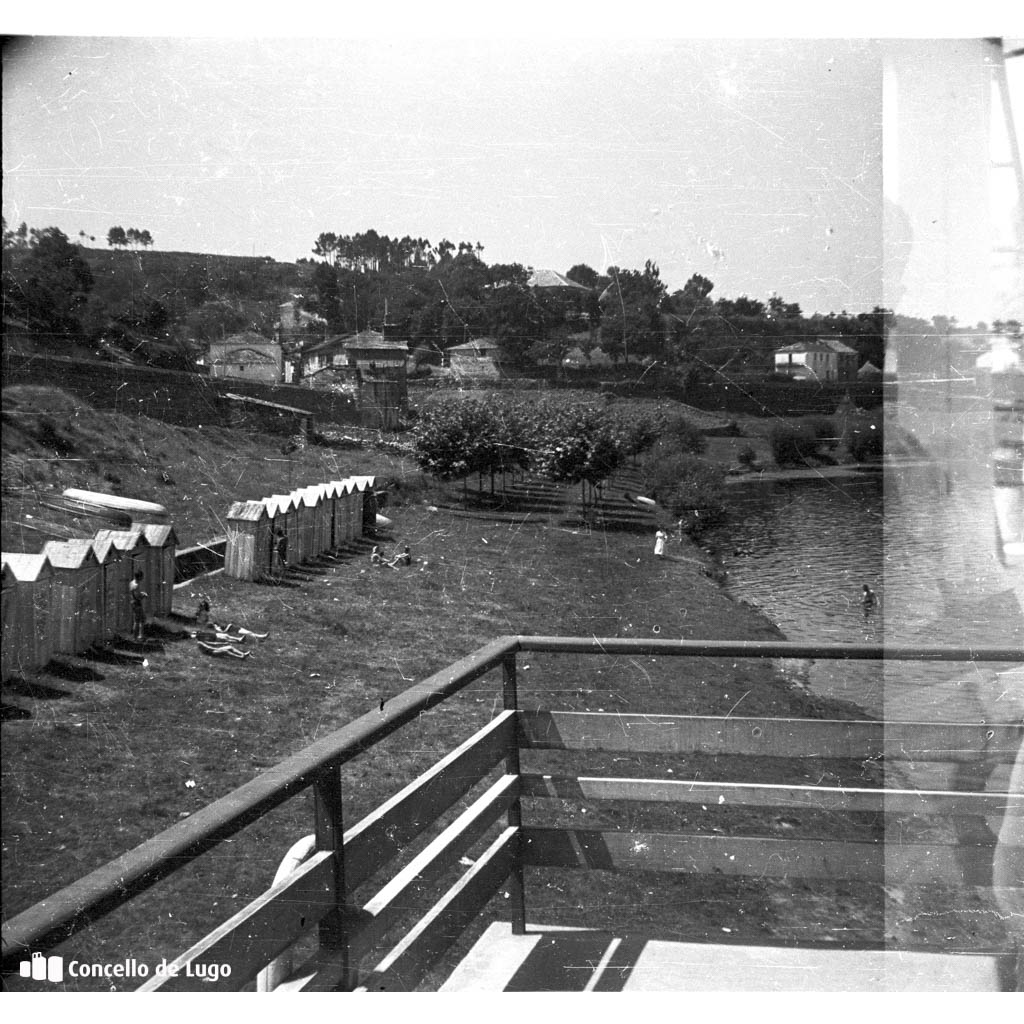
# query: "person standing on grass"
138,597
659,543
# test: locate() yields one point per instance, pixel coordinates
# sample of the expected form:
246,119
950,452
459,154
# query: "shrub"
689,487
747,456
796,444
680,434
867,444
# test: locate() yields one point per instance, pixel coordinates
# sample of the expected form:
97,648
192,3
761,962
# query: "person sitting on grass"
402,558
376,558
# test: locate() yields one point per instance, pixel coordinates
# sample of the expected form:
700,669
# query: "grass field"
99,755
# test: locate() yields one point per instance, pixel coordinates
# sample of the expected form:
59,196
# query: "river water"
802,551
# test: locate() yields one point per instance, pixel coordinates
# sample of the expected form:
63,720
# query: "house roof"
477,345
375,340
249,338
336,343
837,345
553,279
869,370
805,346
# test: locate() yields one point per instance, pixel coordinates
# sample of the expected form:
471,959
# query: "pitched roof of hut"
250,511
70,554
278,503
361,483
105,548
25,566
124,540
160,534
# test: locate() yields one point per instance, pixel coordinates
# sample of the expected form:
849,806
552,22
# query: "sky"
757,163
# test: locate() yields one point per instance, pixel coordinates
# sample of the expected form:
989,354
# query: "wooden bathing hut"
160,579
8,612
276,517
287,517
114,569
77,595
137,557
332,491
321,527
28,625
343,512
325,508
355,509
364,484
249,551
309,498
305,512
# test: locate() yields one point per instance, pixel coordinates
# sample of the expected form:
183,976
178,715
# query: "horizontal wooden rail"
904,863
374,841
770,737
424,870
116,882
272,922
761,649
256,934
743,794
434,933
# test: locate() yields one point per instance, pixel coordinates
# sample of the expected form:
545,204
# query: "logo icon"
43,968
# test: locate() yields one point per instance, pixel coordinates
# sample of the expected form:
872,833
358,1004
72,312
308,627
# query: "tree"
631,317
326,245
578,444
117,238
584,275
46,282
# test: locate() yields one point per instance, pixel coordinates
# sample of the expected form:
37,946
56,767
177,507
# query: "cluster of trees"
572,443
368,250
160,308
440,295
46,283
120,238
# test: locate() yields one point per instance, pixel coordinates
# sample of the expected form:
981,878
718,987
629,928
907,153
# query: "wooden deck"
548,959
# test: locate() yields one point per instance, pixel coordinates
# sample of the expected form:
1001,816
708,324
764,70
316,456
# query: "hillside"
52,440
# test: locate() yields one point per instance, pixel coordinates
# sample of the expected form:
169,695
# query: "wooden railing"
320,893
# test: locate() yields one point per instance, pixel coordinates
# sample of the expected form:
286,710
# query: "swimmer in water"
868,600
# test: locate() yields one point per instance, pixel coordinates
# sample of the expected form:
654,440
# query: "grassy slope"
108,753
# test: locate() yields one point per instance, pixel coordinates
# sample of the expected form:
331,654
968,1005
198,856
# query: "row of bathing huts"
73,594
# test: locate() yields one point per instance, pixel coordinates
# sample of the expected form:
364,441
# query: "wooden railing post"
517,890
329,831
